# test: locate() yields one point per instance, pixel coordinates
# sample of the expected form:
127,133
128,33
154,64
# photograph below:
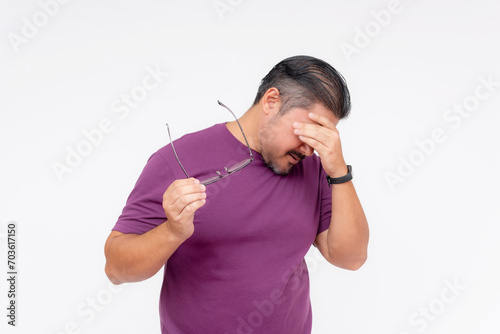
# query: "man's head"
303,81
294,87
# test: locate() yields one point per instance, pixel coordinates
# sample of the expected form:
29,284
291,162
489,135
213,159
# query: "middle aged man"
233,239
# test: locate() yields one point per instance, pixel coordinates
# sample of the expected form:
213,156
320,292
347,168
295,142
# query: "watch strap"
342,179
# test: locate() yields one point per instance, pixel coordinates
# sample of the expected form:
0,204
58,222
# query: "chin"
281,172
278,170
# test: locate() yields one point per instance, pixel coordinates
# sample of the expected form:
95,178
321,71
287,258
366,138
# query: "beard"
270,161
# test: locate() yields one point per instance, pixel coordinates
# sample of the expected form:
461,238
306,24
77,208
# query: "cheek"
280,138
290,143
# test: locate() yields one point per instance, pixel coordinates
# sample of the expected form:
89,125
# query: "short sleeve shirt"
243,269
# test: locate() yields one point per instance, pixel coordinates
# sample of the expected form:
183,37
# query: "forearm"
133,257
346,241
348,232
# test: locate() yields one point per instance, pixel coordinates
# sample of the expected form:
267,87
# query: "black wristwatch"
342,179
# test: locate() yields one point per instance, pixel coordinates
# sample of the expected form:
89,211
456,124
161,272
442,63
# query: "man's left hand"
324,138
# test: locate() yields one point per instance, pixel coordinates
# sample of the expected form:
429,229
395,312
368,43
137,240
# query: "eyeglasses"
234,168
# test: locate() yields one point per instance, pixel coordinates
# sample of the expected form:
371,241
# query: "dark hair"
303,81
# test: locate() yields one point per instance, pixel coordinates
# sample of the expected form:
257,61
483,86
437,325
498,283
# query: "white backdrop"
422,139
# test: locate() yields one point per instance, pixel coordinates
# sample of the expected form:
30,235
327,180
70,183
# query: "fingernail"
296,124
196,181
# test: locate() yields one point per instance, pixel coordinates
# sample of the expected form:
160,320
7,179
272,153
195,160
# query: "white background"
436,226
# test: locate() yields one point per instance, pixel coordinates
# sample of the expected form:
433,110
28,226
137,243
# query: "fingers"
182,187
191,208
320,134
322,120
313,135
190,202
181,183
317,146
183,196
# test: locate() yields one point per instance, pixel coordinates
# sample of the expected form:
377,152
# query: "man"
233,242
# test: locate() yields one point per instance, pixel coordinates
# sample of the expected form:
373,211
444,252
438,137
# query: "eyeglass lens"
232,169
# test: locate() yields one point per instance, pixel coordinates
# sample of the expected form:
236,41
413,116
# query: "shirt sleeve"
325,202
143,210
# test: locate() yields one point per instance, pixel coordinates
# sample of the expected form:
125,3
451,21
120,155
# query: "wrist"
338,171
171,237
340,179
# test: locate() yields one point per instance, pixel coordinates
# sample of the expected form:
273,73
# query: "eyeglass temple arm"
243,133
175,153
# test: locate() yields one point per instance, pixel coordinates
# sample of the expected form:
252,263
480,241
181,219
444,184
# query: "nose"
306,150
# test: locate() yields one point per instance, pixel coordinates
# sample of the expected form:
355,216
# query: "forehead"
300,114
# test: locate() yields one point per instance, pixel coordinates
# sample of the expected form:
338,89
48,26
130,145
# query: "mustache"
297,155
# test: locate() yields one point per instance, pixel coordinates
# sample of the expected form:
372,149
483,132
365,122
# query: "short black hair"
305,80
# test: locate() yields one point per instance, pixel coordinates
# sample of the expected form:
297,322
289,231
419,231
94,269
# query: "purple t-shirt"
243,269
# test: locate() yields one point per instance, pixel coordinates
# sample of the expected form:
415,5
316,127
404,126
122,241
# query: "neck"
250,124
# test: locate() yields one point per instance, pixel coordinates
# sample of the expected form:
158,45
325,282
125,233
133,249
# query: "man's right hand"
180,201
136,257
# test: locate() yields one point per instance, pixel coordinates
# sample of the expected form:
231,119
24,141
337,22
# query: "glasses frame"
229,170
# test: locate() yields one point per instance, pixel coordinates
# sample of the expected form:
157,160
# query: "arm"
345,242
133,257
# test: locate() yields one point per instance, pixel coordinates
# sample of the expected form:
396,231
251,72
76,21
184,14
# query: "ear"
271,101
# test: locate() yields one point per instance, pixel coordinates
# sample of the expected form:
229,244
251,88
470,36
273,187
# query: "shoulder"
188,147
198,138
